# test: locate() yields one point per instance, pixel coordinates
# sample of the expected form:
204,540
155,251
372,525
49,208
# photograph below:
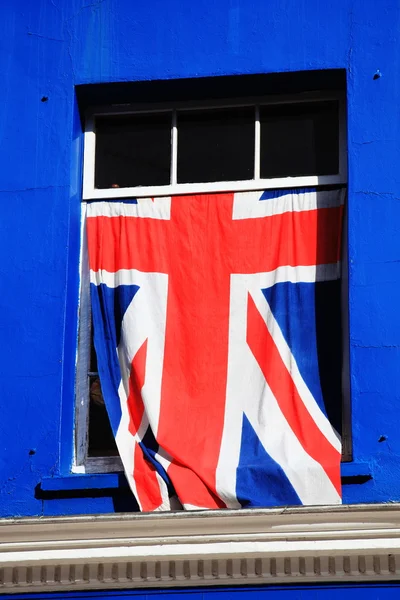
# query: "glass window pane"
299,139
215,145
133,150
101,439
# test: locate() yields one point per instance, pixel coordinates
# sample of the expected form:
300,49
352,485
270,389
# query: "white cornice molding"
293,545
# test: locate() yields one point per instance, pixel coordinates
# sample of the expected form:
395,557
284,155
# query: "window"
254,144
95,449
183,149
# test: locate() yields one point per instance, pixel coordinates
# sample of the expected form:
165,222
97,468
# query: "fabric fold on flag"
218,337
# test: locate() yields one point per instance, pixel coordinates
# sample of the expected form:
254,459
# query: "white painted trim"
89,154
213,187
81,420
231,547
257,143
174,149
99,464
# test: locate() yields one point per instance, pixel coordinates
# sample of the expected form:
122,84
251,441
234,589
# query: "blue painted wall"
48,47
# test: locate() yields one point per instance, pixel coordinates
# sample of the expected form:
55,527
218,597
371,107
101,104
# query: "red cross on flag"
206,311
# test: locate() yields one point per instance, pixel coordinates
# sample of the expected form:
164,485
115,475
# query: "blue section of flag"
309,316
273,194
293,306
122,200
107,332
260,481
150,448
123,296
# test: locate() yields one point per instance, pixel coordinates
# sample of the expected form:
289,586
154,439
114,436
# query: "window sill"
107,483
276,183
84,481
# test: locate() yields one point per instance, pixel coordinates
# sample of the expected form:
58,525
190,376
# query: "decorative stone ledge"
294,545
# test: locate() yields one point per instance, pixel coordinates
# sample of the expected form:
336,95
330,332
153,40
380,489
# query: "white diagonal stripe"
247,205
147,208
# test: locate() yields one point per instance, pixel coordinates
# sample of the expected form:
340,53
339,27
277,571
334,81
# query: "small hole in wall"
383,438
44,99
32,452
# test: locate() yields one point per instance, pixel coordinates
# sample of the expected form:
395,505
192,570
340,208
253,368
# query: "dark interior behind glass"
299,139
216,145
101,440
133,150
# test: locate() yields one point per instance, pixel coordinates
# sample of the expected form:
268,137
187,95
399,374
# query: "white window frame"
82,463
90,192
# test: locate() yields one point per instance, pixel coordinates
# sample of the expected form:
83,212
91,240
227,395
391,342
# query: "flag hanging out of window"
216,321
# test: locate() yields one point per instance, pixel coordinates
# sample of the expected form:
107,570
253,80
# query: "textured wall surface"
47,47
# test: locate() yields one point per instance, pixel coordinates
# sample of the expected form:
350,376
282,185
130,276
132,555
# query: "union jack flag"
205,320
